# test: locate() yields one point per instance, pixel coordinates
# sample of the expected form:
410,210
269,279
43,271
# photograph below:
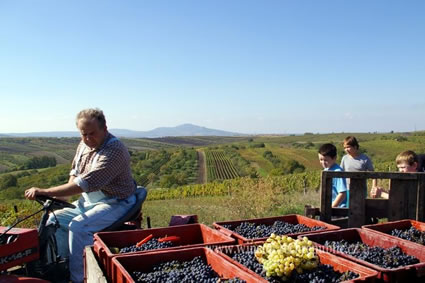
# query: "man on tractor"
101,174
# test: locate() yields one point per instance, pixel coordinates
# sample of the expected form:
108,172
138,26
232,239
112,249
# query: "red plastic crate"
292,219
339,264
193,235
387,227
412,273
124,264
24,248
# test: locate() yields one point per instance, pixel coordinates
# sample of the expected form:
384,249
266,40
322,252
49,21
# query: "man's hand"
32,192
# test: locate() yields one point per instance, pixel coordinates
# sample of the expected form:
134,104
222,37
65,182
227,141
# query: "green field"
170,169
254,156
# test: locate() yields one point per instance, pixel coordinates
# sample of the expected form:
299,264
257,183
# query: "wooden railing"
406,198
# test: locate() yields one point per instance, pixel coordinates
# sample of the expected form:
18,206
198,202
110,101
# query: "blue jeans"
77,226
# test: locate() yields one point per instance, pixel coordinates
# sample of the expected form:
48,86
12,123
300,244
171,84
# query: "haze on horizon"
241,66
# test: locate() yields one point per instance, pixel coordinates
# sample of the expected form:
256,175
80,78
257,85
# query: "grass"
236,207
207,209
387,150
25,208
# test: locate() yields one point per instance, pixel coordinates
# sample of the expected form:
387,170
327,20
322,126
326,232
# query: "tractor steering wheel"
55,204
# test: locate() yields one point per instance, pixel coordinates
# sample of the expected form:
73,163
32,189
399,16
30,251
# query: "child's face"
404,167
326,161
350,150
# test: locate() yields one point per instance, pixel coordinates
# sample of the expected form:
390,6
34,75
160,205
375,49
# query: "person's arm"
378,192
64,190
71,180
376,187
369,167
375,192
339,199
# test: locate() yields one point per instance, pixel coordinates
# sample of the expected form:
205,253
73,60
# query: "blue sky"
242,66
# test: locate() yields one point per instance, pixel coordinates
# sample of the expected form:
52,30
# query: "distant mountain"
178,131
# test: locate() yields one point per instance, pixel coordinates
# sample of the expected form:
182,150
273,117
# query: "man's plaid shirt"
106,168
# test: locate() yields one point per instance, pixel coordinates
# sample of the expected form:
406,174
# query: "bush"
7,181
40,162
292,166
257,145
401,139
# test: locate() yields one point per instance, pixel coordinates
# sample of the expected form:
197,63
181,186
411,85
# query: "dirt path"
202,171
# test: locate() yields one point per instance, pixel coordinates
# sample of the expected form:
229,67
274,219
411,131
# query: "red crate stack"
191,235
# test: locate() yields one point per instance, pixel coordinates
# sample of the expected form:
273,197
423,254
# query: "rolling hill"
178,131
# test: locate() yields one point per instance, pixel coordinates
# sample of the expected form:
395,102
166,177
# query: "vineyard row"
219,166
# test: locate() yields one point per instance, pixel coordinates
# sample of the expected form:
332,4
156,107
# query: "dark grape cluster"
386,258
195,270
251,230
152,244
411,234
247,258
323,273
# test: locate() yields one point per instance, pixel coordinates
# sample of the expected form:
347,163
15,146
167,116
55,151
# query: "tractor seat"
133,215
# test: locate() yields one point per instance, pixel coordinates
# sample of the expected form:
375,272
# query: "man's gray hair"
90,114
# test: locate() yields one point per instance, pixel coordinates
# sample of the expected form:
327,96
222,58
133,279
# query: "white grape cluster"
280,255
